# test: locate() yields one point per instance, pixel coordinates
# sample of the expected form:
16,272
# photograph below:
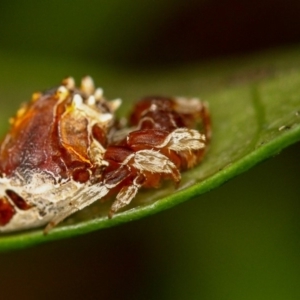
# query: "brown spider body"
64,151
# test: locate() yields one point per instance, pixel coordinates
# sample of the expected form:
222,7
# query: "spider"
66,149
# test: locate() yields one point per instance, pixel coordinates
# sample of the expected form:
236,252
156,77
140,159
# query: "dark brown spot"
117,153
6,211
81,175
18,200
99,134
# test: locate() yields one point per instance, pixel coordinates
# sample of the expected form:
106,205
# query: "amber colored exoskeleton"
66,149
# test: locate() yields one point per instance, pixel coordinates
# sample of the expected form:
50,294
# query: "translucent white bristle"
106,117
77,100
98,94
69,83
87,85
62,92
91,100
115,104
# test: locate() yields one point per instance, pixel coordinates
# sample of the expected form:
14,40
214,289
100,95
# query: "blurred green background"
240,241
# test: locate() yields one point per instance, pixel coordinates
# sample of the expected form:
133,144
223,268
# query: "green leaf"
255,107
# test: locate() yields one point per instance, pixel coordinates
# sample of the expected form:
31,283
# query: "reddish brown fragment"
117,153
146,139
99,134
7,211
81,175
18,201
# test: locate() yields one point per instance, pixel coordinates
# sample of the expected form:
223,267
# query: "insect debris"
66,149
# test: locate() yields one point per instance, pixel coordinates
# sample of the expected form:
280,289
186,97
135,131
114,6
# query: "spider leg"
150,167
125,195
83,198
